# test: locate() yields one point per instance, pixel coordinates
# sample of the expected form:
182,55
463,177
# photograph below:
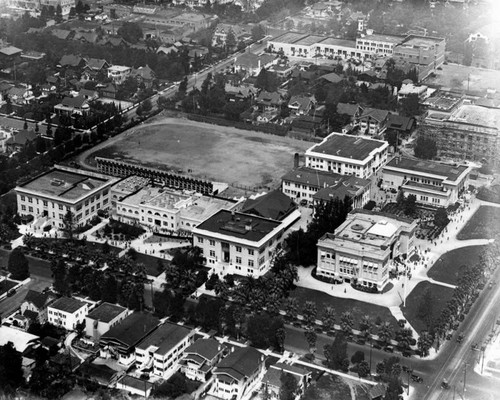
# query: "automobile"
303,202
389,349
406,369
475,347
460,338
445,384
416,378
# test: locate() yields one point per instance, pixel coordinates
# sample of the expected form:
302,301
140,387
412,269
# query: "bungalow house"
94,67
252,63
73,106
109,91
269,101
197,52
271,382
239,93
20,140
88,94
35,304
200,358
21,95
332,77
120,341
320,10
221,33
401,124
4,90
86,37
372,121
72,61
114,42
307,124
300,105
135,386
62,34
166,50
144,75
353,110
238,374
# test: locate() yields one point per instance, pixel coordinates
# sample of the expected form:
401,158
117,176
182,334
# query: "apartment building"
102,318
365,248
348,155
67,313
53,193
377,44
200,359
118,73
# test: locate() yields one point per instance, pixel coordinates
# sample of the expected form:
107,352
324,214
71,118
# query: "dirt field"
217,153
455,76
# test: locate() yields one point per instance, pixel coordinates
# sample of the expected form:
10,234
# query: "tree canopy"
425,148
131,32
18,265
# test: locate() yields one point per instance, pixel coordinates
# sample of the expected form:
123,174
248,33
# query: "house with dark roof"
273,205
20,140
88,94
21,94
70,60
67,312
401,124
70,106
332,77
114,42
120,341
353,110
109,91
102,318
134,385
252,63
144,75
240,92
100,373
307,124
200,358
269,101
86,37
62,34
372,121
271,382
300,105
238,374
163,348
354,188
243,243
35,305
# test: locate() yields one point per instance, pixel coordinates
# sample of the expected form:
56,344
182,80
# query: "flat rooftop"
66,184
67,304
312,177
164,338
382,38
442,102
347,146
131,184
106,312
329,41
477,115
450,172
239,225
309,40
421,41
289,37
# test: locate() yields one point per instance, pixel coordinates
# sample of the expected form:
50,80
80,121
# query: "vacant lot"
357,308
451,265
460,77
440,295
484,224
212,152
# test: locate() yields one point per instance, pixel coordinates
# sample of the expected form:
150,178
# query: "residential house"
365,248
166,50
332,77
102,318
348,155
71,106
240,92
353,110
118,73
269,101
401,125
271,382
21,95
62,34
86,37
20,140
70,60
67,312
200,359
34,305
120,341
237,375
9,53
94,68
135,386
144,75
300,105
307,124
4,90
23,342
409,89
372,121
88,94
163,348
221,32
109,91
321,10
252,63
116,41
357,190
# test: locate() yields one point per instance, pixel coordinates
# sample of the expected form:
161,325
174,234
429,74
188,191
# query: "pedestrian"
345,290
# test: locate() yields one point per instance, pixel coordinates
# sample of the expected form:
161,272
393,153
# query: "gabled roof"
39,300
302,102
274,205
96,63
87,93
61,33
205,348
67,304
10,51
349,186
165,338
241,363
22,137
251,60
20,339
74,102
332,77
90,37
144,72
374,113
349,109
132,329
269,97
400,122
70,60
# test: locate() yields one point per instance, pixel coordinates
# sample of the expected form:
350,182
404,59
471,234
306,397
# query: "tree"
266,80
59,16
357,357
69,225
328,318
410,106
18,265
394,389
425,148
365,326
59,274
292,307
280,338
309,313
336,353
288,387
363,369
131,32
258,32
230,40
311,338
11,369
424,343
146,106
183,87
410,205
385,332
441,217
347,322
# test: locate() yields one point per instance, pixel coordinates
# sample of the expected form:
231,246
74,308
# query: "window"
30,200
238,249
261,260
212,253
45,203
60,206
22,198
23,207
238,260
250,263
212,242
250,251
200,240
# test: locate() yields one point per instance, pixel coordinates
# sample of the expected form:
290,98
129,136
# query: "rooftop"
312,177
330,41
289,37
135,383
449,172
349,187
66,183
131,184
239,225
477,115
20,339
421,41
347,146
67,304
309,40
273,205
106,312
206,348
132,329
241,363
166,337
382,38
119,68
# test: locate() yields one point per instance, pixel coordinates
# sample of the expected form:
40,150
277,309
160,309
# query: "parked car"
416,378
460,338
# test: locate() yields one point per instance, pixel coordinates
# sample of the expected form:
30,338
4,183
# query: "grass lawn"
357,308
328,387
484,224
210,152
6,285
440,294
151,263
450,265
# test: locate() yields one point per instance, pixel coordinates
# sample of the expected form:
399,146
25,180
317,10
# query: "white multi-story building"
200,358
52,194
377,44
432,183
348,155
365,248
170,210
118,73
241,243
67,312
103,318
163,348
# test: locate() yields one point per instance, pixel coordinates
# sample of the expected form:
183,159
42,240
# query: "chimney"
232,349
219,347
296,159
232,215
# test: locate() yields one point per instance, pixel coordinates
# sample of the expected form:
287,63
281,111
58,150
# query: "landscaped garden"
116,230
451,265
425,304
484,224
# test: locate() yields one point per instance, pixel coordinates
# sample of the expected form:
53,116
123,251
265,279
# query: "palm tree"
28,240
292,307
424,343
273,305
221,289
239,317
280,338
311,338
366,326
346,322
309,313
404,337
328,318
385,333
